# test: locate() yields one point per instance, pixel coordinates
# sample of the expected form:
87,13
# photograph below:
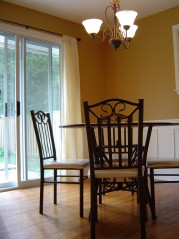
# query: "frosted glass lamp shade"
126,18
131,32
93,25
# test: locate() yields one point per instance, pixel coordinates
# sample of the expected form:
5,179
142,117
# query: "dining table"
146,124
149,125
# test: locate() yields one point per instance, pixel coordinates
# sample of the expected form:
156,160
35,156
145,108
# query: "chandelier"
122,30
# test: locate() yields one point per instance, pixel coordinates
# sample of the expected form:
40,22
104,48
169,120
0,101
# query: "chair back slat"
44,135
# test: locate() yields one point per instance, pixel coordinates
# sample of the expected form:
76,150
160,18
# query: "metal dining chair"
113,166
48,160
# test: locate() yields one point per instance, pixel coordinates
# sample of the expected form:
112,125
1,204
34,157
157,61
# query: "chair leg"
55,186
93,209
149,200
142,205
93,233
41,193
81,192
100,190
152,186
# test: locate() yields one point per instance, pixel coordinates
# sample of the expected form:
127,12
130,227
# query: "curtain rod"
35,28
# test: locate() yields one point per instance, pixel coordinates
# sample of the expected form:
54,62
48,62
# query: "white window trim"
175,30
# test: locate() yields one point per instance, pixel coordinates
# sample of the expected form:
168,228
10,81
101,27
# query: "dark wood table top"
145,123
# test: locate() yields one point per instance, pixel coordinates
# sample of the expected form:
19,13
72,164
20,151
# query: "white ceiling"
79,10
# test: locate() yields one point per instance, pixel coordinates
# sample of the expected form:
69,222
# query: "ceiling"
79,10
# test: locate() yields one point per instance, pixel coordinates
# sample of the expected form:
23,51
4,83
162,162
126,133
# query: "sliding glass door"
30,76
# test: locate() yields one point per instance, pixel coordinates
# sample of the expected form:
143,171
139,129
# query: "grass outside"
33,162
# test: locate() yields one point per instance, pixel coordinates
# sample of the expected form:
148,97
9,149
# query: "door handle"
18,108
5,109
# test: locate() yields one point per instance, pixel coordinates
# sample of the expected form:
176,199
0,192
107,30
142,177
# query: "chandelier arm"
107,21
115,31
100,39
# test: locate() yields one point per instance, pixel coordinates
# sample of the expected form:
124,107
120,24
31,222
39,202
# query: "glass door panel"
41,92
8,170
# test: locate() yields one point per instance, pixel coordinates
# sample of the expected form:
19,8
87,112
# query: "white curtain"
72,143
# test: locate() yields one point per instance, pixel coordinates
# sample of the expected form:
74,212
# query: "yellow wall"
146,69
91,57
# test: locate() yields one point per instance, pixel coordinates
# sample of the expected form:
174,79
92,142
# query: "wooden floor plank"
118,215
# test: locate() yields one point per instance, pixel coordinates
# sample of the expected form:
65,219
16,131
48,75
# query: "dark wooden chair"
116,164
48,160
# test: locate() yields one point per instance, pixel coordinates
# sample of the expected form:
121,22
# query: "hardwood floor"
118,216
